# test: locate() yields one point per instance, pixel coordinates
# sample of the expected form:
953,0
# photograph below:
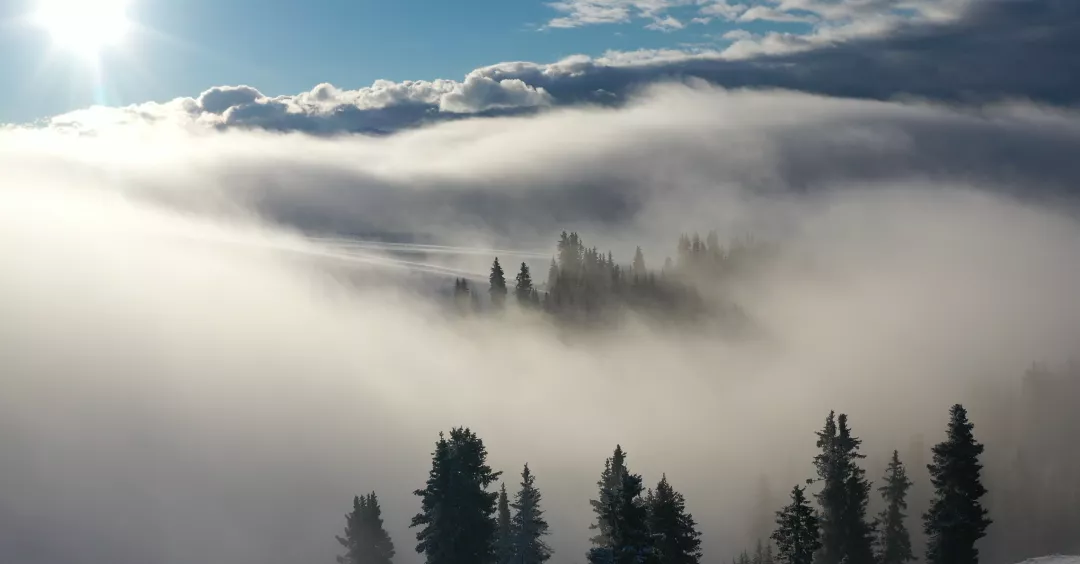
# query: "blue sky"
183,47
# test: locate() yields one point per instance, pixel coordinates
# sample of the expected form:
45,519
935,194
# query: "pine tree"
504,540
796,532
674,531
457,516
767,558
627,517
365,540
354,532
528,524
524,290
956,519
894,543
637,269
759,553
497,287
609,484
845,532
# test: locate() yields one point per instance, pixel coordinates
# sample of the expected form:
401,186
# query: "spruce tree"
528,524
796,532
609,484
365,540
505,537
354,533
524,290
637,269
894,542
627,516
845,493
497,285
674,531
457,516
956,519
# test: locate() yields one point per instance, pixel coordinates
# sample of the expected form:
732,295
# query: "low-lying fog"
188,378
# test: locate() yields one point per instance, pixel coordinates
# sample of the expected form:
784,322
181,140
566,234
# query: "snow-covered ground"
1053,560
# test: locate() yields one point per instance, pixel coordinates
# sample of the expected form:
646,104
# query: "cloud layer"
188,379
993,50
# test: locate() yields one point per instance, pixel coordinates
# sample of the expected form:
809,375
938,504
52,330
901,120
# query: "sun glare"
84,26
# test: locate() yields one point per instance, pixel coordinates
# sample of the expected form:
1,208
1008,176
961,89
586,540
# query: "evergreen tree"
744,558
637,269
354,532
894,542
674,531
767,558
497,287
457,516
365,540
956,519
796,532
505,537
627,516
759,553
609,484
528,524
845,493
524,290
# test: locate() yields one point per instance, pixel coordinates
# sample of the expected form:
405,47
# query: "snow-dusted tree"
956,519
894,540
528,524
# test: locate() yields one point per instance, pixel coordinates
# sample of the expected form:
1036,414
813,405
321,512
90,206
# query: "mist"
195,372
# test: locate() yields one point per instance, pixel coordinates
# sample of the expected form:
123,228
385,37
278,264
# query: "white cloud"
667,23
579,13
768,13
879,55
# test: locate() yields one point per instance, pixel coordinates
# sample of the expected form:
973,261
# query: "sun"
84,27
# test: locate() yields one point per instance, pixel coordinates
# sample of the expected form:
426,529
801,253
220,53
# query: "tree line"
586,285
463,519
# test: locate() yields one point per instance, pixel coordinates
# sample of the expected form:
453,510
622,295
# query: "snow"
1053,560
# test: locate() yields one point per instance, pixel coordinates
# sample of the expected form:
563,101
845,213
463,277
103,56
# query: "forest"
929,504
585,286
465,519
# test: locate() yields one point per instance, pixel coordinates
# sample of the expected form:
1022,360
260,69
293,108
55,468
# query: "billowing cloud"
190,379
998,50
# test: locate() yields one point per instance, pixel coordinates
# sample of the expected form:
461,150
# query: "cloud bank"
188,378
990,51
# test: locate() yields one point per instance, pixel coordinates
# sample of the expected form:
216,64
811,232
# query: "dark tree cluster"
585,285
463,519
839,531
637,527
365,540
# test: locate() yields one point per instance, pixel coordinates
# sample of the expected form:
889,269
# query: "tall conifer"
894,541
956,519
